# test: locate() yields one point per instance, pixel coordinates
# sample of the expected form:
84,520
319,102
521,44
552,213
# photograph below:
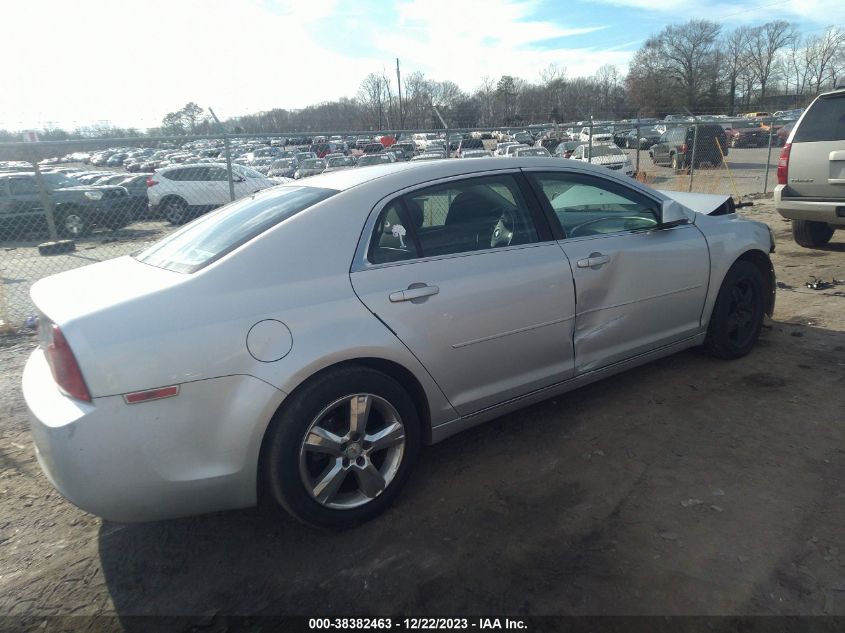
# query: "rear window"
825,121
212,236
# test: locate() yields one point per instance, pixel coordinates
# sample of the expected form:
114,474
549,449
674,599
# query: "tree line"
697,67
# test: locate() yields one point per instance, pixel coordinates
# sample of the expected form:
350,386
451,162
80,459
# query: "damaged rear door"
638,287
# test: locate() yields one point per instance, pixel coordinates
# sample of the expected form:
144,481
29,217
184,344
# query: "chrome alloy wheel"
352,451
74,224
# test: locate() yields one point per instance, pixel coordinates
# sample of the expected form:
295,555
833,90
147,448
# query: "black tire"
72,222
676,163
57,248
175,210
811,234
738,313
281,459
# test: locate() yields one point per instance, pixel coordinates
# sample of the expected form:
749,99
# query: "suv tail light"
63,363
151,182
684,148
783,164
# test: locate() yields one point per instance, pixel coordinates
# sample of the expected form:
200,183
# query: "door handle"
414,291
594,261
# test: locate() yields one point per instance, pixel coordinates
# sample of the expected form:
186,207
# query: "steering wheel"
624,221
503,233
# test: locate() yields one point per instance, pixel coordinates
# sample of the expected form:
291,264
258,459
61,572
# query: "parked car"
310,167
747,136
566,148
182,192
77,208
531,151
136,189
337,163
811,172
783,133
605,154
379,158
469,144
474,153
373,148
245,376
676,146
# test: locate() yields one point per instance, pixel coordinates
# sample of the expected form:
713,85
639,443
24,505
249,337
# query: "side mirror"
672,214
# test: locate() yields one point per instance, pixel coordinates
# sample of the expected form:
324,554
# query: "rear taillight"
783,164
151,182
63,364
684,148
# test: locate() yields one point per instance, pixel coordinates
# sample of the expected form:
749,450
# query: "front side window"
586,205
22,186
470,215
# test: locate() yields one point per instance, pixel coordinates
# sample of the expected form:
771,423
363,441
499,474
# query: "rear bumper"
812,210
194,453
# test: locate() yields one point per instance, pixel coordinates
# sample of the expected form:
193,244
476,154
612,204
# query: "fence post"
226,148
638,144
769,155
46,201
692,161
590,146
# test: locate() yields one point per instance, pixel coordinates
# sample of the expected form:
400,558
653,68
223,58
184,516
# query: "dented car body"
432,297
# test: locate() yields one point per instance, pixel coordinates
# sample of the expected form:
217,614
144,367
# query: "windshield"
313,163
532,151
58,181
340,161
216,234
281,164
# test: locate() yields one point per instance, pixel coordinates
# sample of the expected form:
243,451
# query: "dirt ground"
687,486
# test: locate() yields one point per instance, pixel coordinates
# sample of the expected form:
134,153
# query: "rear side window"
212,236
825,121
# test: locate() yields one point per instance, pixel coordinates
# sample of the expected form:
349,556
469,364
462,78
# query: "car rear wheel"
811,234
339,451
676,164
738,313
176,210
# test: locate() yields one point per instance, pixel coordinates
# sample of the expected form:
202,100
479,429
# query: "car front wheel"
811,234
738,313
339,451
73,223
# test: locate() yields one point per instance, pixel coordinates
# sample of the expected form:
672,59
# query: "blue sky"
241,56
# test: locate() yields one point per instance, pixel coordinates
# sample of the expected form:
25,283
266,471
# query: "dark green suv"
78,208
675,147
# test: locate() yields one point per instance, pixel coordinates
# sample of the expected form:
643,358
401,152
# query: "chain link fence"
73,203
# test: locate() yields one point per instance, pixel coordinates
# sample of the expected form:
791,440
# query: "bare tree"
762,46
735,61
825,51
686,50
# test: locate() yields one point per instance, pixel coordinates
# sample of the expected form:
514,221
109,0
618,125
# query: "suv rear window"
825,121
212,236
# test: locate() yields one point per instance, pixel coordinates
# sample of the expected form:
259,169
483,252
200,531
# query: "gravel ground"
687,486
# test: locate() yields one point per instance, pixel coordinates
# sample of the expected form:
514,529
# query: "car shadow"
523,514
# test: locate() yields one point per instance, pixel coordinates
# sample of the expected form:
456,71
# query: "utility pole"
399,84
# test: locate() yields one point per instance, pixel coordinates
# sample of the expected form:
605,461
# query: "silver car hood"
705,203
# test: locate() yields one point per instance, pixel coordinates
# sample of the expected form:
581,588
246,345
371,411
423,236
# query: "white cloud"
81,62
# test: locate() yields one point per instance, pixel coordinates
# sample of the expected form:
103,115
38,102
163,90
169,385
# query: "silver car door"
459,272
638,287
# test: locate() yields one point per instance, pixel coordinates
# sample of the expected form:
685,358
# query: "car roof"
400,175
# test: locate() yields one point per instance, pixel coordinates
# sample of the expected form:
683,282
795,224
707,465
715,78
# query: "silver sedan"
309,339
